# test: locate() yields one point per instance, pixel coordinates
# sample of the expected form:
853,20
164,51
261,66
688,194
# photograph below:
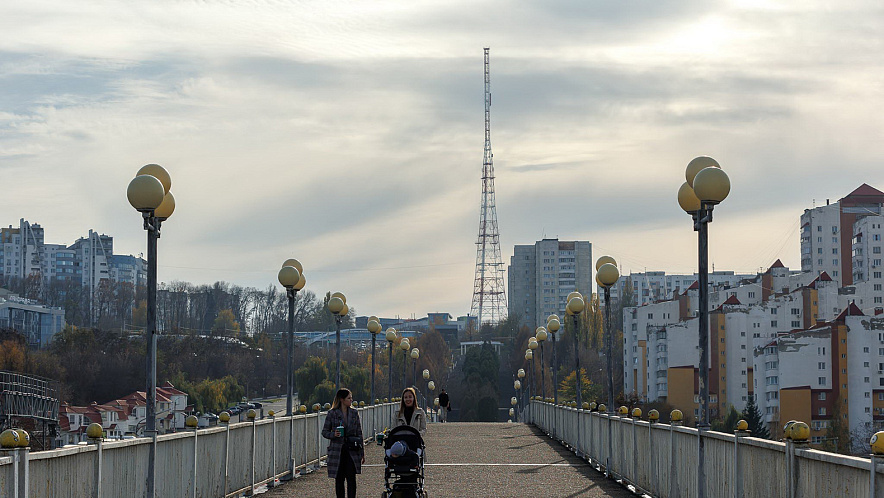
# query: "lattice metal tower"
489,295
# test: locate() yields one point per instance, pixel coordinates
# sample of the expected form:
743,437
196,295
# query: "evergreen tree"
752,416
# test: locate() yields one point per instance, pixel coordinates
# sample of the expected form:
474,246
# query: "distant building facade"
540,277
827,233
88,261
37,323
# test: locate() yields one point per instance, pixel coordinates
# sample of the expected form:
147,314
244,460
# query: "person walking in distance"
444,406
345,451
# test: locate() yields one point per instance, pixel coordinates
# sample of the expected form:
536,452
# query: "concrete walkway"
478,460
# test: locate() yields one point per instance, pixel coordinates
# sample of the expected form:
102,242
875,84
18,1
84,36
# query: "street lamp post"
431,386
707,185
415,354
149,194
541,336
373,326
291,276
426,376
606,276
517,386
390,336
338,306
529,357
553,326
521,375
404,345
574,307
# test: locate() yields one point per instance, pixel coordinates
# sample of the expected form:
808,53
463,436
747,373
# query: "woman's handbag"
353,442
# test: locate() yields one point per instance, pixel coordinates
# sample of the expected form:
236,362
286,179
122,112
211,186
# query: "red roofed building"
125,416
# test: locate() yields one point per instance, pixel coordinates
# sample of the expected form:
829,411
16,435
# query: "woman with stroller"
345,452
411,414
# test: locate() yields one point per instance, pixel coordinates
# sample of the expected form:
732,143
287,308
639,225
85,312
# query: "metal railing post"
673,467
226,457
252,456
738,463
308,470
195,429
98,457
876,459
318,464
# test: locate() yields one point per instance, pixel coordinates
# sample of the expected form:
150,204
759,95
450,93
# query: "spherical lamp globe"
712,185
608,274
696,165
604,260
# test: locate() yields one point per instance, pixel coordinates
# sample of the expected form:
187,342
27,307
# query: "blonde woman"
411,414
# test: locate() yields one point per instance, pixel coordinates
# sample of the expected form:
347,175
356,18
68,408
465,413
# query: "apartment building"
827,233
88,261
540,277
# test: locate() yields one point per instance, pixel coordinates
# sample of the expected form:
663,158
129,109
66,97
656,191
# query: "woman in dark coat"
344,459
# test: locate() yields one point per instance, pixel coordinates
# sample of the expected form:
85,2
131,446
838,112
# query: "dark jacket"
353,427
443,400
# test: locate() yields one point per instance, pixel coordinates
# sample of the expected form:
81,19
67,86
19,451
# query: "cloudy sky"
349,134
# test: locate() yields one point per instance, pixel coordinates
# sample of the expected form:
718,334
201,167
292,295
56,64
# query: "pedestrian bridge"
564,452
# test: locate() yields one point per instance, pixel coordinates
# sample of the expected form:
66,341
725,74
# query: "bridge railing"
661,459
222,461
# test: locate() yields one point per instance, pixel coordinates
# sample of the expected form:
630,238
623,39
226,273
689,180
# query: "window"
795,311
822,411
821,381
876,250
796,324
773,323
821,365
822,396
865,350
868,394
834,250
773,311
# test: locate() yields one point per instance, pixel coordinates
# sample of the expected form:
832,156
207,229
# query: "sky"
350,134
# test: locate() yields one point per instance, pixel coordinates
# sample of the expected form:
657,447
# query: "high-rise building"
541,276
827,233
88,261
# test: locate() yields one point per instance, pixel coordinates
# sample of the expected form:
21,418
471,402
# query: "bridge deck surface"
478,460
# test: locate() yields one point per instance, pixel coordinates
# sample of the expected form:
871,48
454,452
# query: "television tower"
489,295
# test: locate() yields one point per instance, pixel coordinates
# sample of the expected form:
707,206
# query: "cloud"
350,134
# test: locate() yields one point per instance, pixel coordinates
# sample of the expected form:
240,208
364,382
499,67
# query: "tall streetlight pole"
606,276
426,376
576,306
521,375
415,354
149,194
541,336
706,186
338,306
404,346
390,336
291,276
529,355
553,326
374,327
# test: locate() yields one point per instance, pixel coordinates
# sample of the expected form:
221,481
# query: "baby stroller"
404,466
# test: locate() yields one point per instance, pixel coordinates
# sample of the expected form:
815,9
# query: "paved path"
476,460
